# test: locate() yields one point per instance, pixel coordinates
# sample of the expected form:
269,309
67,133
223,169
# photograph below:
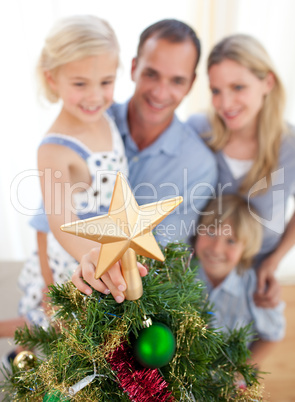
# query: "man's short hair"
172,30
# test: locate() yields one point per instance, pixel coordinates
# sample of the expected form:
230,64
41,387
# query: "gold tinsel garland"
251,393
190,322
47,370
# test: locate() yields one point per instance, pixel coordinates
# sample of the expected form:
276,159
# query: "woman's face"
237,95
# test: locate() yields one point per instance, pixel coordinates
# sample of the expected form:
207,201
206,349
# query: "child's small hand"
110,282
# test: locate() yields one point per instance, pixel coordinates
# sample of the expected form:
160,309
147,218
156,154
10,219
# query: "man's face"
163,74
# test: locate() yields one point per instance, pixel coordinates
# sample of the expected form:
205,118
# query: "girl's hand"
268,293
110,282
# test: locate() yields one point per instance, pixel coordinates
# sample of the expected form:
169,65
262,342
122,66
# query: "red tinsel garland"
141,384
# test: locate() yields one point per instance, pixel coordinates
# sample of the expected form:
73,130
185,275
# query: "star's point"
126,226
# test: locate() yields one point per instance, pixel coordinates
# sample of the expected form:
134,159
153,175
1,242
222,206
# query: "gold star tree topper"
124,232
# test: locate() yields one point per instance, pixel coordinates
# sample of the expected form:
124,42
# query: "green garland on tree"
87,352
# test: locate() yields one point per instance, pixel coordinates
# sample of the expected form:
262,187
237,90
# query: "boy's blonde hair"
248,52
71,39
233,210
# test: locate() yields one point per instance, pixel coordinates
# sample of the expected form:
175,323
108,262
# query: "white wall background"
23,27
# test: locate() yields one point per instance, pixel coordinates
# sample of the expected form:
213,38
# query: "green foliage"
204,367
37,337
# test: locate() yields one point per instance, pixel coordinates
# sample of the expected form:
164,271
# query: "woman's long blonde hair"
248,52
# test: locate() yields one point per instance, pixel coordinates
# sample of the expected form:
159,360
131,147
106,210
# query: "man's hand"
110,282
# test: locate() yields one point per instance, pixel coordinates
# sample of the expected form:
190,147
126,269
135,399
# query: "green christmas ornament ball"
155,346
54,396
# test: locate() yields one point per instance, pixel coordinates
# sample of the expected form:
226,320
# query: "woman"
254,148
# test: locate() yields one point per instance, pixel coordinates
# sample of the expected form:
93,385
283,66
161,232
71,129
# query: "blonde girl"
81,152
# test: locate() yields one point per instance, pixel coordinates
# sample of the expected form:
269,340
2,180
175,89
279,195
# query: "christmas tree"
157,345
90,351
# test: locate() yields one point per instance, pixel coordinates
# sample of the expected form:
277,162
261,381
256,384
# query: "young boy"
227,239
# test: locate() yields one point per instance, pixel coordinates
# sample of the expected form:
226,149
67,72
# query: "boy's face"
219,252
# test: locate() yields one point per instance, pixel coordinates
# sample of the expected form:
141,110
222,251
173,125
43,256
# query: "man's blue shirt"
177,163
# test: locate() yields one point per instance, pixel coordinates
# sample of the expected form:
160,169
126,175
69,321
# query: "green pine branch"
206,361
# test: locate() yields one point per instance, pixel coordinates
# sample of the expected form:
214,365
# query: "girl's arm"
42,252
45,268
55,164
268,292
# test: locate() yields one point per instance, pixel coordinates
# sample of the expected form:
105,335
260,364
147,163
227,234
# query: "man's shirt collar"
168,142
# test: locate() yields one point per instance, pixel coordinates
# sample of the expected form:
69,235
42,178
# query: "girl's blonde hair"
232,210
74,38
248,52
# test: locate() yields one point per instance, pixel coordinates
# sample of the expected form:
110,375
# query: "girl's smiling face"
219,251
237,94
86,86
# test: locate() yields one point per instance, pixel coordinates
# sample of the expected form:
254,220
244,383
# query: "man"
166,159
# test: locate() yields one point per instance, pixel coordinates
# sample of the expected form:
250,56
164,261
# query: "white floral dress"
95,200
